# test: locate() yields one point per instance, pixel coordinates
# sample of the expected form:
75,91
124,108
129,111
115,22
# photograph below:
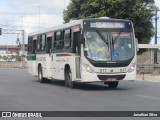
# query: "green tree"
16,57
140,12
13,56
4,57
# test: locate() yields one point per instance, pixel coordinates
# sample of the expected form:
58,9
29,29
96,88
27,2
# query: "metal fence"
145,62
15,64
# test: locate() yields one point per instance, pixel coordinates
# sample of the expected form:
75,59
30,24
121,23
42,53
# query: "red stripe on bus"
63,55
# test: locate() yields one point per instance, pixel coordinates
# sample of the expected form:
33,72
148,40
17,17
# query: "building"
10,52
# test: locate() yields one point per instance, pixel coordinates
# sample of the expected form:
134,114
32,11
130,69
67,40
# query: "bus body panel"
44,60
31,68
111,72
31,64
59,61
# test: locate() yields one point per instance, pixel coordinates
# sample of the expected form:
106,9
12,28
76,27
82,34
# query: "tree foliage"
140,12
4,57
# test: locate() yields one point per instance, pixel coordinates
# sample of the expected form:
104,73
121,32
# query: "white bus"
86,50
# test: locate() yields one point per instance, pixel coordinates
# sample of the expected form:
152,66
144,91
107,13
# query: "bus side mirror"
137,47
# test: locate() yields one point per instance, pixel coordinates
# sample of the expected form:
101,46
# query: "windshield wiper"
113,40
116,37
103,38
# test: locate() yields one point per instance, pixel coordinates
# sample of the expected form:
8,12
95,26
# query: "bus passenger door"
48,50
77,51
76,43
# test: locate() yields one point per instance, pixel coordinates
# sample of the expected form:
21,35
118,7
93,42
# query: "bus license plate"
111,79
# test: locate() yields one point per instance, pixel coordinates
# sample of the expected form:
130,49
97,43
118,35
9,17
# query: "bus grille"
105,77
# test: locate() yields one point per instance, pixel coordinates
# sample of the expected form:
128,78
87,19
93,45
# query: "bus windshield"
108,46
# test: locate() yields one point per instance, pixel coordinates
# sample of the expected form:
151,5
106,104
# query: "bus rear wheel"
68,79
112,84
40,75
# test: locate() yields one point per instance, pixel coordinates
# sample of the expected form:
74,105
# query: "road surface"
19,91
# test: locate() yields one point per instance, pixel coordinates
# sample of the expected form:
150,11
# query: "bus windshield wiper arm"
112,42
116,37
102,37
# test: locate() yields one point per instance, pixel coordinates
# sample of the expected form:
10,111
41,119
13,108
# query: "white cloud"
61,4
157,3
11,15
31,23
2,9
51,13
51,5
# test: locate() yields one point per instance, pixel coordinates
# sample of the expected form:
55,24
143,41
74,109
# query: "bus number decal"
103,70
62,61
123,70
41,59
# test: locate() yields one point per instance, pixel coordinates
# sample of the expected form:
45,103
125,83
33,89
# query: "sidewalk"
148,77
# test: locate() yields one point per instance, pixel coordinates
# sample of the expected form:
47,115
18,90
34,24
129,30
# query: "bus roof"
73,23
59,27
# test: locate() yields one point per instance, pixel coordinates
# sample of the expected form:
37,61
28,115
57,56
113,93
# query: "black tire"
40,75
68,79
112,84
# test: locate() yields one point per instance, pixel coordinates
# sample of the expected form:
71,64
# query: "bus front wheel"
68,79
112,84
40,75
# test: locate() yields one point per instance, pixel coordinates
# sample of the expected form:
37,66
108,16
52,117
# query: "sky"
32,15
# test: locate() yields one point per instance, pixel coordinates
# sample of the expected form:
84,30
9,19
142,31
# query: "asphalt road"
19,91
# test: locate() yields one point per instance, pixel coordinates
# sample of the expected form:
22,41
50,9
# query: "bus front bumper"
98,77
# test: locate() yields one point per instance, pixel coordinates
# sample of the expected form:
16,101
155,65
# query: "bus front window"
122,46
97,46
108,46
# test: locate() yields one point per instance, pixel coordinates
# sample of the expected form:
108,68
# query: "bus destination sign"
107,25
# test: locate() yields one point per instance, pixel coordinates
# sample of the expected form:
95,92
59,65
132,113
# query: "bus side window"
49,43
53,39
30,45
58,43
67,39
39,43
43,42
34,46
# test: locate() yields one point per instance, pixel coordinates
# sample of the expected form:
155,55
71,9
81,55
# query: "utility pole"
23,49
39,12
155,50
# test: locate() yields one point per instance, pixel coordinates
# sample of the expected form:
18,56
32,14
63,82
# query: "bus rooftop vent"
104,17
72,20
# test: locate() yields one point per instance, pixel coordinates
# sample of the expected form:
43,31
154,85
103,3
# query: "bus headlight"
132,68
88,68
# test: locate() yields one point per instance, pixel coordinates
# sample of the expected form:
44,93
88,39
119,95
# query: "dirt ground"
149,77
